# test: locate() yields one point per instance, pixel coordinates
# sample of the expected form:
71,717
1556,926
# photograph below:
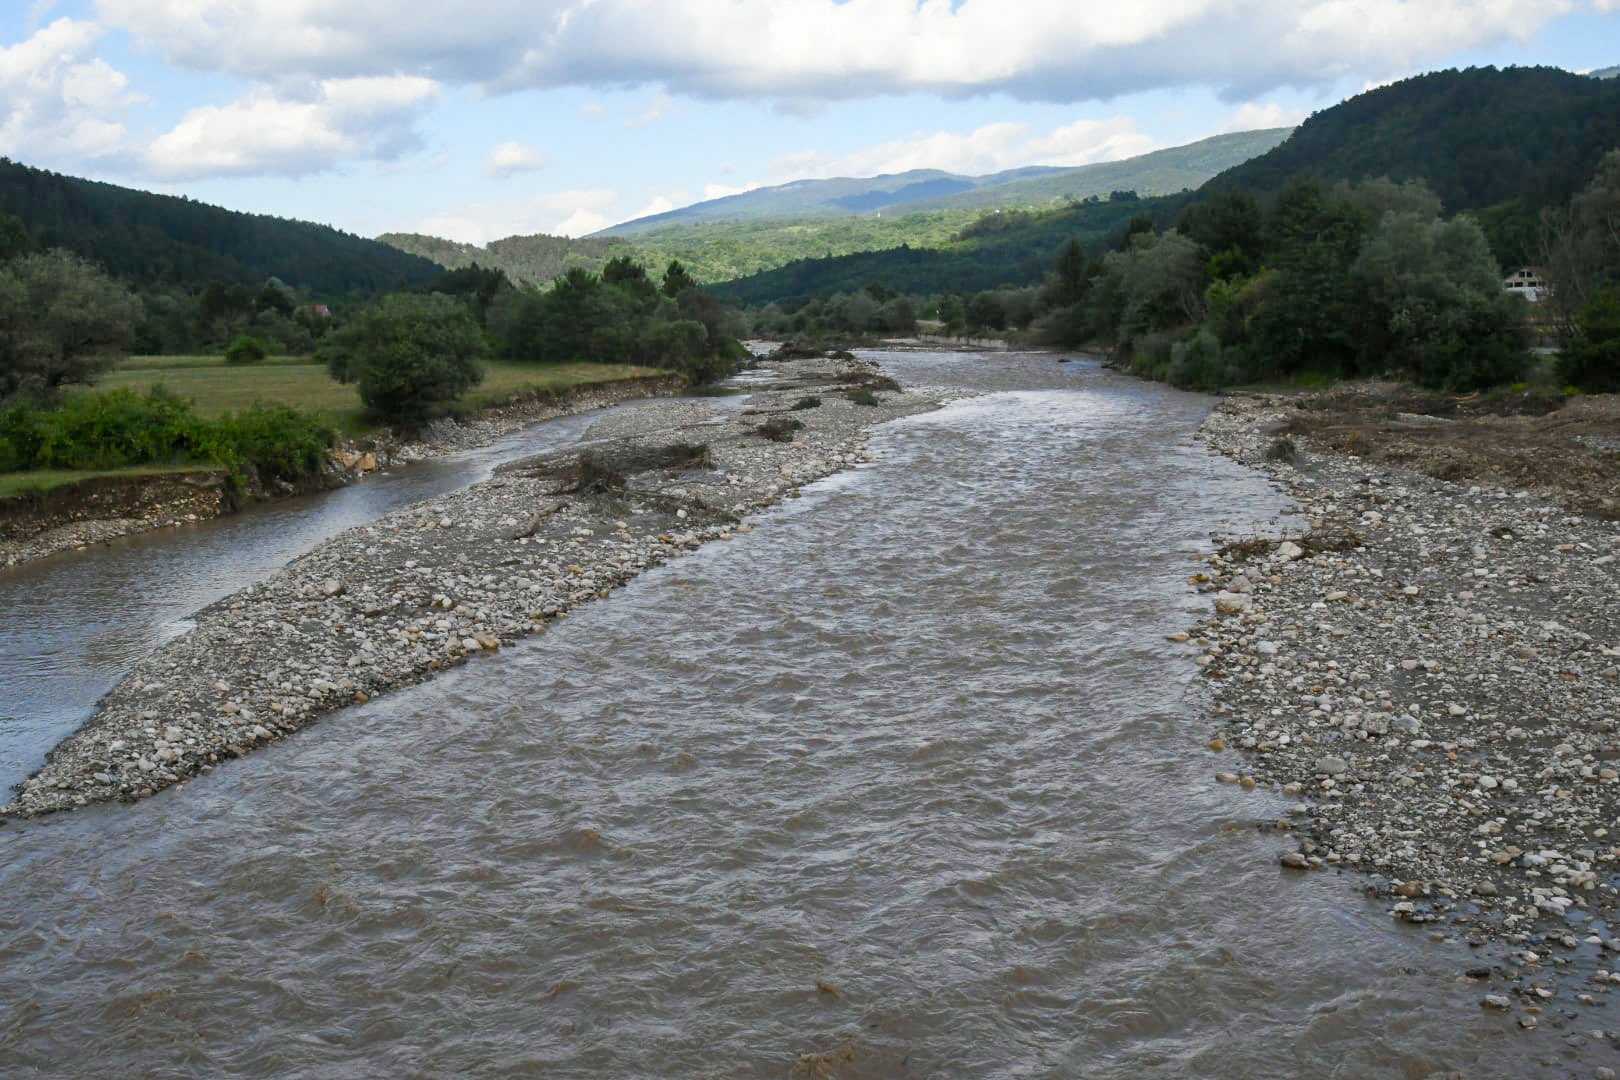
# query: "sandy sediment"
1430,670
441,582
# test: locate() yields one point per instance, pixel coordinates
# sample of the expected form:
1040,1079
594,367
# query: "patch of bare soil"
1571,454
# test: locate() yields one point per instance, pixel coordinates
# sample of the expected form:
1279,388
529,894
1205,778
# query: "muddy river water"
74,624
905,783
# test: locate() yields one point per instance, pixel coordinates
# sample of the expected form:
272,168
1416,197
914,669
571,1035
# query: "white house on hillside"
1528,282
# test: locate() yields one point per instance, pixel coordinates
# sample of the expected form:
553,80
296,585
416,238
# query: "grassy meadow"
218,388
45,479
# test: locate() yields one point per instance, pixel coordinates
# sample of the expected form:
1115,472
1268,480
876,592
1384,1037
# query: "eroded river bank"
903,782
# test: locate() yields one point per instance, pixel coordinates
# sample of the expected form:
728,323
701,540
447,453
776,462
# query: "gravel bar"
1430,672
450,579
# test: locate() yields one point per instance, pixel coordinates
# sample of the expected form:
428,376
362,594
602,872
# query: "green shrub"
120,428
1592,360
862,396
279,443
808,402
409,355
246,350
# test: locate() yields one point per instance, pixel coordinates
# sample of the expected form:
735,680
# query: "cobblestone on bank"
438,583
1431,671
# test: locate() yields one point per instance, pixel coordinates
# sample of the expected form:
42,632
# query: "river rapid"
905,783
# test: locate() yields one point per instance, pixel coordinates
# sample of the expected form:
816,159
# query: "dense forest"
1010,248
164,240
1502,144
527,260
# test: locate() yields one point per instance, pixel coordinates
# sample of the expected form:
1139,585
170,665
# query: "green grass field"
45,479
218,388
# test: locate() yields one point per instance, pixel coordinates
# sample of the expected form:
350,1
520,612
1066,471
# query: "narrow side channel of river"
908,778
74,624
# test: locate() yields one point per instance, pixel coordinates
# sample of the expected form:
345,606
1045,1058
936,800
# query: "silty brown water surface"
908,779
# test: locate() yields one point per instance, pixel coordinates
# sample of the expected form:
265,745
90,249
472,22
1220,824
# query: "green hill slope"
162,240
1161,172
1011,248
1479,137
532,260
1502,144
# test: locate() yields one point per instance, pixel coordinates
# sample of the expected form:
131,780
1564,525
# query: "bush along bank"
35,524
1430,673
460,576
264,446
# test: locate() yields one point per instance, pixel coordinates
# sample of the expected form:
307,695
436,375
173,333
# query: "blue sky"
477,121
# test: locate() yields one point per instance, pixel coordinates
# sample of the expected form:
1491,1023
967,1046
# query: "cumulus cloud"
802,51
661,204
513,157
1254,116
264,133
988,149
561,213
59,102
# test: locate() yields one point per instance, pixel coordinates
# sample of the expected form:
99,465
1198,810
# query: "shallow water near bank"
77,622
906,778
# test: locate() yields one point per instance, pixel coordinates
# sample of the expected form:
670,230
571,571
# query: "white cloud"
661,107
720,191
1606,6
592,109
800,52
661,204
563,213
263,133
988,149
59,102
1255,116
513,157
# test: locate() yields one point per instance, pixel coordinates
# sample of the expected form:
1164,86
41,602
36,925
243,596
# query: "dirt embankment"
36,524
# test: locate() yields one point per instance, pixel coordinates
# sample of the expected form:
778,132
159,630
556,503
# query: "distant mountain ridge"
1156,173
164,240
1606,73
1501,144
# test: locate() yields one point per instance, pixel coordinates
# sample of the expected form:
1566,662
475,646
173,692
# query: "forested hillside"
162,240
528,260
1011,248
1479,137
1160,172
1501,144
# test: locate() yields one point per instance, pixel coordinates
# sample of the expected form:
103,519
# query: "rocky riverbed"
448,580
1429,671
